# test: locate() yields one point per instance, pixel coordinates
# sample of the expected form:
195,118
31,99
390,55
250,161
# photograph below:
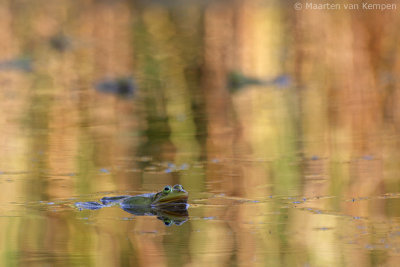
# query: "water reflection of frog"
169,205
169,215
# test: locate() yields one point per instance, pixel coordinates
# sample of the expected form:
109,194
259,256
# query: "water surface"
282,125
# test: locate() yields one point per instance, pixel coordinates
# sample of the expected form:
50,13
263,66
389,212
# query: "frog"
169,205
170,196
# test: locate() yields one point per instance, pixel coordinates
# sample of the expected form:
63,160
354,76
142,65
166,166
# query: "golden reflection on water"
296,166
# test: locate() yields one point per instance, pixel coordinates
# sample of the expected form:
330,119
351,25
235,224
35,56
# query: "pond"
282,125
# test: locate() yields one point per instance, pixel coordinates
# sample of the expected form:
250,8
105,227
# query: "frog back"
140,200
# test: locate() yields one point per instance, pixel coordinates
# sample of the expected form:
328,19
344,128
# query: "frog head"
171,195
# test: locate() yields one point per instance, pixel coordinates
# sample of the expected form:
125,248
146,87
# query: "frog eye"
167,222
167,189
178,187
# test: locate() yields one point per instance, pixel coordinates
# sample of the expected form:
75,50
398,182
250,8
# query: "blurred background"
283,125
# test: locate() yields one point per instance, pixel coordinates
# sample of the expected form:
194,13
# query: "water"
282,125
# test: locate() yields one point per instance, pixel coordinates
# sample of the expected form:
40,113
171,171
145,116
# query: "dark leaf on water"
237,81
123,87
20,64
60,42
